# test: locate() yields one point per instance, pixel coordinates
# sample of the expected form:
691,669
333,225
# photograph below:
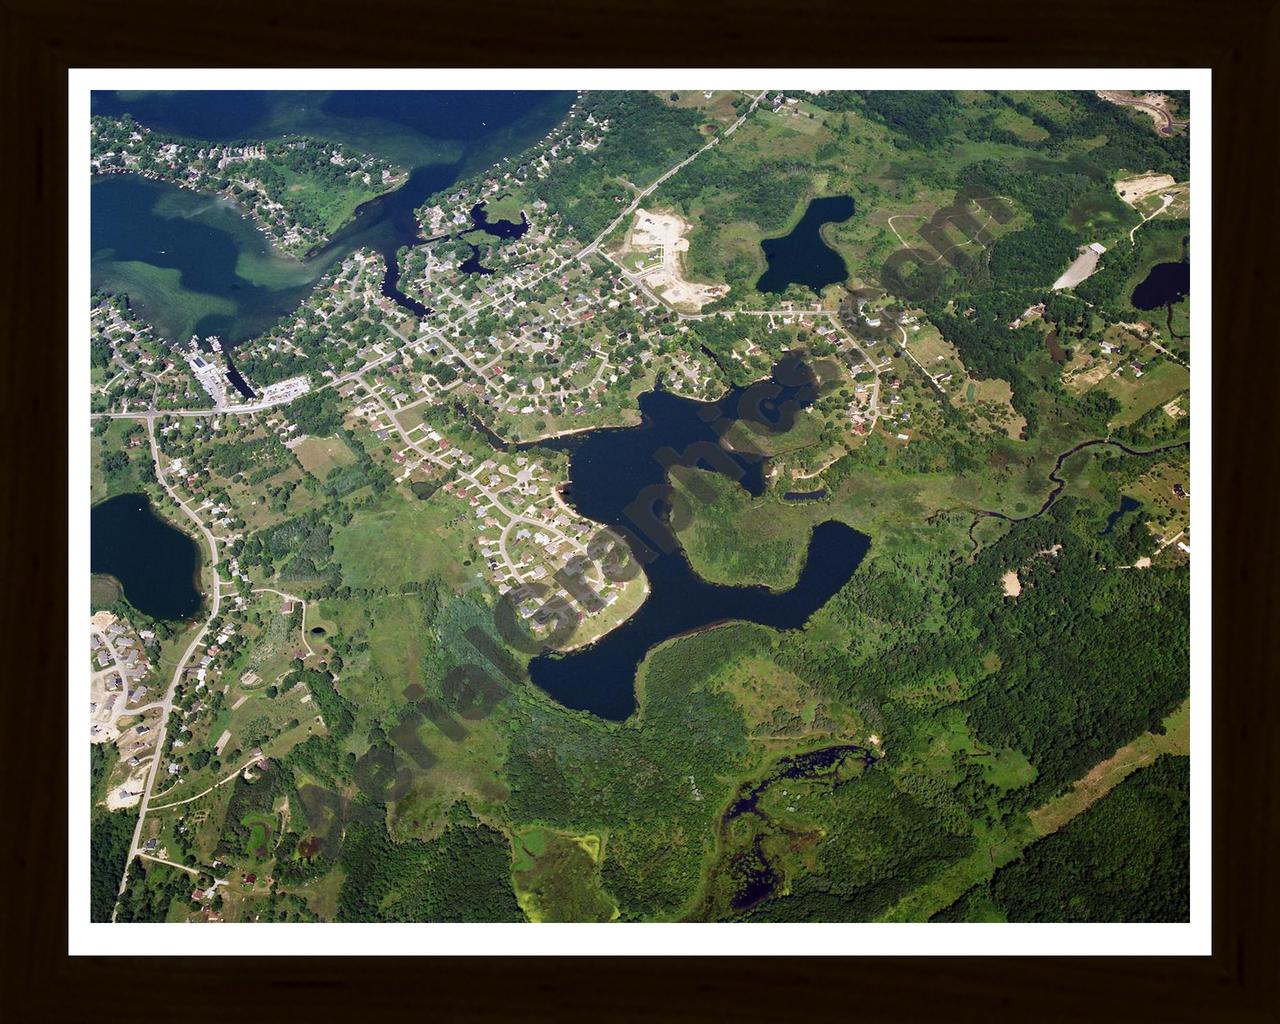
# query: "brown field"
1085,373
716,107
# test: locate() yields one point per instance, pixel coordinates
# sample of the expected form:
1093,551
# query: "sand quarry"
1156,105
659,239
1133,189
1084,266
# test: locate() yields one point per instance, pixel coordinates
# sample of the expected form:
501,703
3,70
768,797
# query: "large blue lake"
619,477
192,264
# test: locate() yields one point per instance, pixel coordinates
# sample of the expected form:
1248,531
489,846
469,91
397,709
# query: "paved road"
150,416
167,703
515,518
635,203
468,313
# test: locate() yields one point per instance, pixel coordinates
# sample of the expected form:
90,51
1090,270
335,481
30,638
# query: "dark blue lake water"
195,265
1127,505
802,257
1166,283
755,877
619,478
154,562
498,228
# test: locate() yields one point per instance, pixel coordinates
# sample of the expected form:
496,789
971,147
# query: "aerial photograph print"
635,505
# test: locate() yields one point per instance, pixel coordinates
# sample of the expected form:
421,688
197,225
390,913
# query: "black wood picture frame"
1236,38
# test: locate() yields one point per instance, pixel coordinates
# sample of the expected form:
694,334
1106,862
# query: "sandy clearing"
1011,583
1083,267
129,792
1088,376
663,234
1133,189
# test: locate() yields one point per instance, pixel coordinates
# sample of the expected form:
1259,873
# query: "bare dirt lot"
653,250
1083,267
1133,189
129,792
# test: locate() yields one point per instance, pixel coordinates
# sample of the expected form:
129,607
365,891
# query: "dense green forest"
645,781
110,834
876,842
646,137
1127,858
461,876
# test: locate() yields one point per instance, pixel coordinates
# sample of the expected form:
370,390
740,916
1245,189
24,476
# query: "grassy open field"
985,719
1139,395
556,877
319,455
397,542
104,590
775,556
333,204
506,207
103,485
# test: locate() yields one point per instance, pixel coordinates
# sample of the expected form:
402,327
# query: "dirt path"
181,867
928,376
206,792
954,880
1106,775
1152,104
958,245
1167,202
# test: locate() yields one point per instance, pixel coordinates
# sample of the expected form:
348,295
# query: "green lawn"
130,478
1140,395
398,542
